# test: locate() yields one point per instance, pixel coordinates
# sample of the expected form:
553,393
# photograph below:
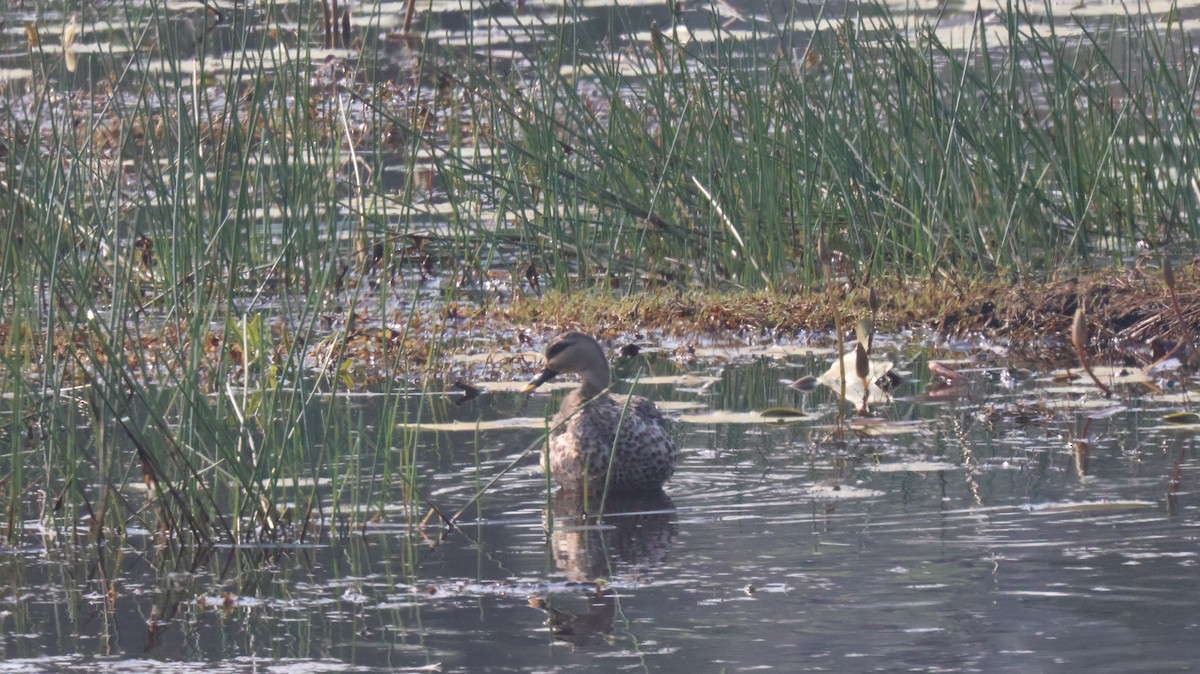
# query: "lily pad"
912,467
781,413
773,351
1109,374
1182,418
1086,506
805,383
488,425
726,417
685,381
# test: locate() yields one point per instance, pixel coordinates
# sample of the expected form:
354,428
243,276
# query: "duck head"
578,353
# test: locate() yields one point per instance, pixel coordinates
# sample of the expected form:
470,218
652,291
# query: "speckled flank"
580,448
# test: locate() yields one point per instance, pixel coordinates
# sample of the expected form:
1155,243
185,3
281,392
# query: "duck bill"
546,375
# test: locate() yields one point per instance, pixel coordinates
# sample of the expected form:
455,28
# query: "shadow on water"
601,556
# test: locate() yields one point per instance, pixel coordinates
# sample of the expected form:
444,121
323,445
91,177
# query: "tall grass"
186,220
172,248
873,141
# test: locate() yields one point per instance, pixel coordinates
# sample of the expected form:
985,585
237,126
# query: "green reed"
871,141
166,273
174,246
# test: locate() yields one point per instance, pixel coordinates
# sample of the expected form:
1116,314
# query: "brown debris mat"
1125,310
1122,307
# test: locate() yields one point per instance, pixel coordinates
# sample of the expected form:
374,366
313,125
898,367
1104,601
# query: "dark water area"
1013,524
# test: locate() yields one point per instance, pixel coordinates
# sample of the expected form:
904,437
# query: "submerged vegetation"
215,220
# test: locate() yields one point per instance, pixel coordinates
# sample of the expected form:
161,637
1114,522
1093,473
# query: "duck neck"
595,380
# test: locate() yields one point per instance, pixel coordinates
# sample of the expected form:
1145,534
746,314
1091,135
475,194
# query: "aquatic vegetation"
272,276
202,238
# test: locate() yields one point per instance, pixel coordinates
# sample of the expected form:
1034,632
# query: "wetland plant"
213,227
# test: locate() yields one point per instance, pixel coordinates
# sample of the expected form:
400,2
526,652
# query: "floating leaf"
484,425
1182,418
1086,506
806,383
840,491
912,467
780,412
878,427
725,417
694,381
775,351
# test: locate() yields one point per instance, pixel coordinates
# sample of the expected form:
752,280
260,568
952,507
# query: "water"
950,534
966,532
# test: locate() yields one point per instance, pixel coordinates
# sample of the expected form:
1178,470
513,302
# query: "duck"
592,424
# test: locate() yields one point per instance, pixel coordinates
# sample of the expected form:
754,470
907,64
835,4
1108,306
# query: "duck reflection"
633,535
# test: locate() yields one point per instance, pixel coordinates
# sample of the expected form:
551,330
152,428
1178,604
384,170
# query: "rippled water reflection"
954,533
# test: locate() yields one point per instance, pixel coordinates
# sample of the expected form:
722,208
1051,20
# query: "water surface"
963,532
